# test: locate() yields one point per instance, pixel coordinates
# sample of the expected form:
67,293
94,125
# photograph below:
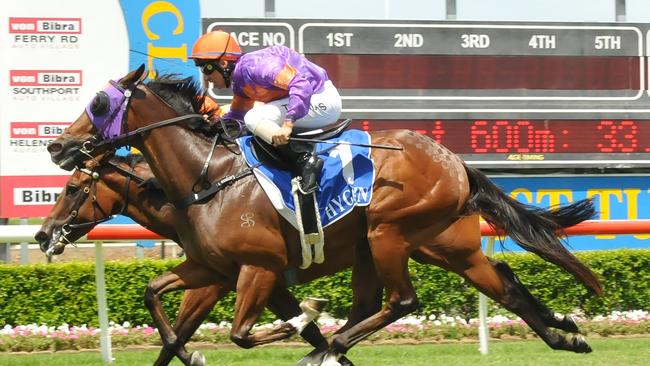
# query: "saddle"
306,204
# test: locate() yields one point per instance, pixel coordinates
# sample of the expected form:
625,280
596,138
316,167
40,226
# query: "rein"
202,188
112,142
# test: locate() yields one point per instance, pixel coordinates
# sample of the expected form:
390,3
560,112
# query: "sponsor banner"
56,56
45,85
615,197
45,33
161,34
29,196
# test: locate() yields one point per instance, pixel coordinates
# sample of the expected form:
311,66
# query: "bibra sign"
56,56
44,32
42,85
31,137
36,196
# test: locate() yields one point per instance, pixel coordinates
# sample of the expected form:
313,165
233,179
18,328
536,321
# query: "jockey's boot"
310,168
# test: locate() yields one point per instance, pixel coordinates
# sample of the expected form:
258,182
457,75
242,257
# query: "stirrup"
316,240
312,166
305,191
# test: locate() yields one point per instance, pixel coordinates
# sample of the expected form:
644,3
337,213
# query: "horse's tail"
533,228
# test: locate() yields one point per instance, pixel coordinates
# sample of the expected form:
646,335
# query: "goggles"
208,68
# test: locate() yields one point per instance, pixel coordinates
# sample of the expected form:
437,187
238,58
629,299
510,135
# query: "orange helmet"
216,45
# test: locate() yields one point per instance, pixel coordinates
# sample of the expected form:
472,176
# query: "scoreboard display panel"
500,94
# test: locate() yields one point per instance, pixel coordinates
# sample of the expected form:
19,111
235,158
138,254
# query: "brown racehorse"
115,185
418,193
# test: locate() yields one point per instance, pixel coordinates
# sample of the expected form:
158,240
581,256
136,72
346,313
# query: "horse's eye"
100,104
70,190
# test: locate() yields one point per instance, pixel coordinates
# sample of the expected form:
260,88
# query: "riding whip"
388,147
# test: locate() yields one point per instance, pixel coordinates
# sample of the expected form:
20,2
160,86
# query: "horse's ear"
140,75
133,76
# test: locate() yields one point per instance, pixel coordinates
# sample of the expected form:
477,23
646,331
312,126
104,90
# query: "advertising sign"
55,57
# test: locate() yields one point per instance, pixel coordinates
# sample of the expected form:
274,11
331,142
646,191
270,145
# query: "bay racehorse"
114,185
418,193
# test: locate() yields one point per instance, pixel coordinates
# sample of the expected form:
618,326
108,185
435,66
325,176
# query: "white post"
24,246
483,328
102,308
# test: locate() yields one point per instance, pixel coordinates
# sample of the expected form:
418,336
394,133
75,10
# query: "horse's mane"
136,159
183,94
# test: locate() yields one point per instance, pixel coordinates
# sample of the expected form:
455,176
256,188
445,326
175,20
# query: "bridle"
110,136
90,192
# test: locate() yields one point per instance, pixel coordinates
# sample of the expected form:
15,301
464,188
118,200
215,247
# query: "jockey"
296,93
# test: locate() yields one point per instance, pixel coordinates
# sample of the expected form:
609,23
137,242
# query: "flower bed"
30,338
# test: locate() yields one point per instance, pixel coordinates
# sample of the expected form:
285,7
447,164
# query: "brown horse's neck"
175,154
147,207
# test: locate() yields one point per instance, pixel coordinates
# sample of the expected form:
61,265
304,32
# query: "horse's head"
84,203
101,119
112,117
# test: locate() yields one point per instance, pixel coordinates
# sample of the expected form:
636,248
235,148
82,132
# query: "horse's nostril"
41,236
54,147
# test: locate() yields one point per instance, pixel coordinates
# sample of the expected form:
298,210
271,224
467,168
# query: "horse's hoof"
315,357
570,325
287,329
579,344
313,305
197,359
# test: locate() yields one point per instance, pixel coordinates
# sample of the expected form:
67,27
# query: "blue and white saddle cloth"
345,182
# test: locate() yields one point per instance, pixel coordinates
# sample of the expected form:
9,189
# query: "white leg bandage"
300,322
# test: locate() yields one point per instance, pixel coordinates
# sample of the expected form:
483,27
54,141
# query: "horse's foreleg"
283,304
186,275
194,308
367,289
390,253
367,294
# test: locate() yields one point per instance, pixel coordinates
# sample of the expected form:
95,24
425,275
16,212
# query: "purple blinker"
106,111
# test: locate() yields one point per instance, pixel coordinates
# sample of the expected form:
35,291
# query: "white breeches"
325,108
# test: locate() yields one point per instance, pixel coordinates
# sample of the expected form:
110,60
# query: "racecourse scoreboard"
500,94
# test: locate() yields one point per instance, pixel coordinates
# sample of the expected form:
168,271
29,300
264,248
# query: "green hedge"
65,293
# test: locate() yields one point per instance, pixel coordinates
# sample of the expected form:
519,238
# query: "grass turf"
621,351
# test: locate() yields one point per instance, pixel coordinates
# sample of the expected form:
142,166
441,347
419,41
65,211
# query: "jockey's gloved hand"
281,137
